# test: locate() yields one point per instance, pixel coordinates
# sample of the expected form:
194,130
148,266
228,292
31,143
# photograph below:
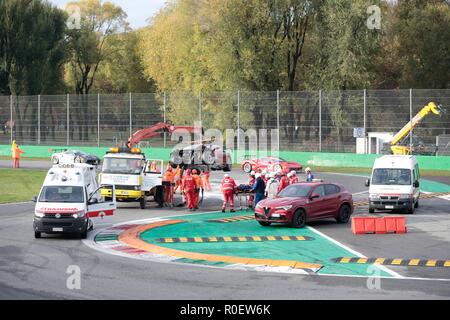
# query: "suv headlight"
285,208
405,196
258,206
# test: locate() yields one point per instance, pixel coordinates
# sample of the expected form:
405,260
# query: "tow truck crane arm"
406,130
156,130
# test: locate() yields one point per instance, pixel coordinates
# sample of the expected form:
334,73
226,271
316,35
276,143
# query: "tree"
86,43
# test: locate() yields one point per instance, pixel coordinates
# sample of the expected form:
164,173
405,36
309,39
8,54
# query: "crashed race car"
271,164
202,157
74,156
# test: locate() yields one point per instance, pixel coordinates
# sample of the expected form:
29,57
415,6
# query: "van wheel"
344,214
37,235
299,219
371,210
416,205
143,202
83,235
411,210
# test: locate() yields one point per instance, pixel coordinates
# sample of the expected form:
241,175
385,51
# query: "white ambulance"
70,202
394,184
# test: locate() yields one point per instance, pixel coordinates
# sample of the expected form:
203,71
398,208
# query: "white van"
70,203
394,184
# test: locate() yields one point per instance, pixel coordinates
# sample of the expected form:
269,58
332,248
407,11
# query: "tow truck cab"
70,203
135,178
394,184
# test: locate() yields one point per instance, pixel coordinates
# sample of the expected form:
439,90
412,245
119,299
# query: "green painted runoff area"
319,250
319,159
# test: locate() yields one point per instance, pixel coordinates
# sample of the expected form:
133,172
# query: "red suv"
303,202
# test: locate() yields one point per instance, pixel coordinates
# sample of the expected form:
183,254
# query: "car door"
332,199
99,211
317,206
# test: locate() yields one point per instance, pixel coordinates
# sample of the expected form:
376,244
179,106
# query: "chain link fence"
304,120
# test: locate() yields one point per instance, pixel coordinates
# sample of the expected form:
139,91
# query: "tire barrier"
378,225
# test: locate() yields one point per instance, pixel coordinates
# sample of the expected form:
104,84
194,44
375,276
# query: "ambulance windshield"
391,177
123,165
62,194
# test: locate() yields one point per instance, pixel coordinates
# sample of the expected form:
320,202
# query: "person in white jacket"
272,186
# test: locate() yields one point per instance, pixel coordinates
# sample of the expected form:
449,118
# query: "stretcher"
243,197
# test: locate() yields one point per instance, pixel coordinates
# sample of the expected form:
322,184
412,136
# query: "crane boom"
406,130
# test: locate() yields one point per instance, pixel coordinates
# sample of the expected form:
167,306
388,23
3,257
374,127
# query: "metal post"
238,119
278,119
98,120
411,125
68,119
320,120
164,116
11,126
365,121
131,129
39,119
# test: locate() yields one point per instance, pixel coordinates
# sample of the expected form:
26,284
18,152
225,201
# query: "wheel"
344,214
299,219
143,202
83,235
227,168
411,210
159,196
37,235
264,224
416,205
247,167
371,210
77,160
55,160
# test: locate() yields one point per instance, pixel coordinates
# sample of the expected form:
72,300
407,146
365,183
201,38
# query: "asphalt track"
36,269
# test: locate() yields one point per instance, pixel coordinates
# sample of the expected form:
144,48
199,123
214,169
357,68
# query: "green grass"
20,184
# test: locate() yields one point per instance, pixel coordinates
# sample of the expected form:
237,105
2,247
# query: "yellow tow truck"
396,143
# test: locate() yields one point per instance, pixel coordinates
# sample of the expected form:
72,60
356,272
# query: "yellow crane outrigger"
406,130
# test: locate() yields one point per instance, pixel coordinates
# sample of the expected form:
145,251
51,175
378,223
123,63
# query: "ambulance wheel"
371,210
37,235
83,235
143,202
416,205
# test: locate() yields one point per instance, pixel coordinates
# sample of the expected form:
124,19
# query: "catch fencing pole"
238,119
164,115
365,121
131,129
68,119
278,119
320,120
39,118
11,126
410,122
98,120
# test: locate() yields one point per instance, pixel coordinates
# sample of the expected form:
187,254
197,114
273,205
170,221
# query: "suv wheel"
344,214
299,219
37,235
264,224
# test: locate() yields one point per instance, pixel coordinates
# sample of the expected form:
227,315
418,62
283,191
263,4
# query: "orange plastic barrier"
378,225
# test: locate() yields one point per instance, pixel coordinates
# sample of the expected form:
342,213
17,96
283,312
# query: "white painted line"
358,193
393,273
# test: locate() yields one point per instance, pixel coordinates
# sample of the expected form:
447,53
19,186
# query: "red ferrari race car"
303,202
270,164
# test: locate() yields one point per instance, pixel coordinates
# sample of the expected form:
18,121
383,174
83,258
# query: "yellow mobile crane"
398,149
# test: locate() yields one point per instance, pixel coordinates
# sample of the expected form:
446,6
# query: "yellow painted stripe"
169,240
447,263
396,261
414,262
300,238
227,239
379,261
242,239
431,263
212,239
362,260
198,239
183,239
271,238
345,260
285,238
256,238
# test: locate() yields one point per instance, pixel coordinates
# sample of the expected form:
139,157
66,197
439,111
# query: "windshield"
122,165
295,191
62,194
391,177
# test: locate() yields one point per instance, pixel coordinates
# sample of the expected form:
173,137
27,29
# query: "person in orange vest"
16,154
178,178
188,187
284,181
293,177
206,183
228,188
198,187
168,183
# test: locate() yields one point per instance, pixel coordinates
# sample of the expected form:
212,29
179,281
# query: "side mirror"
416,184
34,199
367,183
93,201
314,196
